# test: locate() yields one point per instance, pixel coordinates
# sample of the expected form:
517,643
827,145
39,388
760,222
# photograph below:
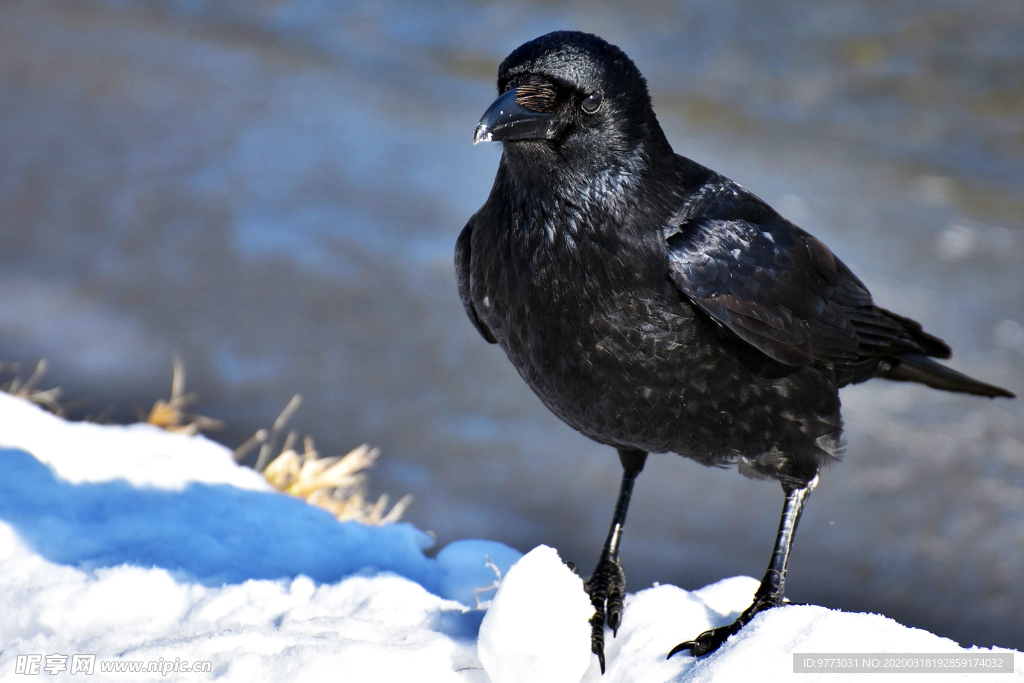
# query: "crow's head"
569,97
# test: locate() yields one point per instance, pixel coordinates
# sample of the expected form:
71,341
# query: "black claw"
614,608
597,629
680,647
606,588
597,632
597,636
572,567
712,639
707,642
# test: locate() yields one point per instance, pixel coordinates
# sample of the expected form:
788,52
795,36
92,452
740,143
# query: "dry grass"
336,484
480,604
171,416
26,389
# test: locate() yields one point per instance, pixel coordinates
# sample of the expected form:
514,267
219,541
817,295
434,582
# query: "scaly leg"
607,585
771,592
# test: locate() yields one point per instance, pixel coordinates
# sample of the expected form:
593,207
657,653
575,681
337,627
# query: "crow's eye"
592,103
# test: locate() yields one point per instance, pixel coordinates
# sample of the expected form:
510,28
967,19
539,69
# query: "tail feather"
913,367
929,343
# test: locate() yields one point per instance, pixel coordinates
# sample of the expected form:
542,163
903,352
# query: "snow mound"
137,546
537,629
141,455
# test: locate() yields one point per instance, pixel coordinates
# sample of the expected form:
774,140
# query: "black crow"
657,306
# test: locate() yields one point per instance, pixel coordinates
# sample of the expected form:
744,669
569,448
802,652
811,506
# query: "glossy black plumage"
653,304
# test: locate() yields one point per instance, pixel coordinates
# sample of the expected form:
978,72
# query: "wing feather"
463,254
779,288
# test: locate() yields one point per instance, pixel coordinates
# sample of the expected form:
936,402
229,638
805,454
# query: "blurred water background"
272,190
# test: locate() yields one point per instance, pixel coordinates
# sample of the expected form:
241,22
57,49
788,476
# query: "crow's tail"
913,367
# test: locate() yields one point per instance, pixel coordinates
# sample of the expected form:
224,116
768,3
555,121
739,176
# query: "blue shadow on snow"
213,534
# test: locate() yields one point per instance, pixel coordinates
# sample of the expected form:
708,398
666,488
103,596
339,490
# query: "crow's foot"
607,588
711,640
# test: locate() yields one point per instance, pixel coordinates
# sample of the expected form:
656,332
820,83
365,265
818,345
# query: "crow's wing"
463,252
780,289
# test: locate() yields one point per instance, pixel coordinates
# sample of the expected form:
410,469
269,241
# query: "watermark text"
86,664
877,662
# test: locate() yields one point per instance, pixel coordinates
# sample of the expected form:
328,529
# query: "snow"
537,629
133,544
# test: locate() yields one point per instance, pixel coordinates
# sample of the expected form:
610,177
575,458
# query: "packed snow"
537,629
126,545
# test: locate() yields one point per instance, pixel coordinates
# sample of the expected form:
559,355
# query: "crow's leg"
607,585
771,592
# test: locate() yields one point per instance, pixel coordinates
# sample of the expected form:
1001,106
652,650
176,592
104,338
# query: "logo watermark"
86,664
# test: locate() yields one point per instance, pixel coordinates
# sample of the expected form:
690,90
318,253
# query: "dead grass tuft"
26,389
336,484
171,416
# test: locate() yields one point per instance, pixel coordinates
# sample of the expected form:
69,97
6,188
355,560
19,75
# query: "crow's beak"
506,120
